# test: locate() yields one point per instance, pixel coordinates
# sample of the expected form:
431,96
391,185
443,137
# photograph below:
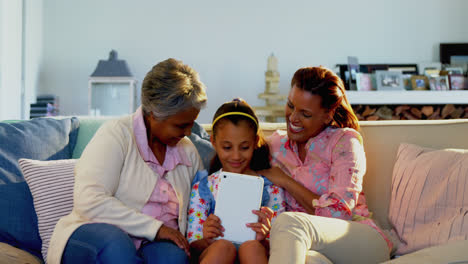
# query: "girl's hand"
263,226
168,233
275,175
212,228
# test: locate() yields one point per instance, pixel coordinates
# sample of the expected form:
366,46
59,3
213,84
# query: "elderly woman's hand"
168,233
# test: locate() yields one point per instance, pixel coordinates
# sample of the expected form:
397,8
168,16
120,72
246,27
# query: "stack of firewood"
410,112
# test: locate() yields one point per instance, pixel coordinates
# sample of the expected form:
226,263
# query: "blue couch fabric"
39,139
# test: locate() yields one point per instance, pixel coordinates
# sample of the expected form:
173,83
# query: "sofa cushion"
429,201
40,139
51,185
452,252
88,127
201,139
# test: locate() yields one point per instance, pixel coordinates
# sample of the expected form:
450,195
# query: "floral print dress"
333,168
203,201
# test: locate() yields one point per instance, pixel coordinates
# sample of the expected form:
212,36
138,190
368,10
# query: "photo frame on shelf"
439,83
454,70
364,82
372,68
458,82
432,72
389,80
404,68
353,69
407,81
453,53
419,82
431,65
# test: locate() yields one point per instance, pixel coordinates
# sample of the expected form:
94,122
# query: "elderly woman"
322,163
133,181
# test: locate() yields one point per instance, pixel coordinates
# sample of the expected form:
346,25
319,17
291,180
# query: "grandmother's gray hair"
171,87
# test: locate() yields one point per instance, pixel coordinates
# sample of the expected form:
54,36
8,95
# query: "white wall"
20,56
32,51
228,42
10,59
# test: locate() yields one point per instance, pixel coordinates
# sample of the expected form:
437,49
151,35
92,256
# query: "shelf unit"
407,97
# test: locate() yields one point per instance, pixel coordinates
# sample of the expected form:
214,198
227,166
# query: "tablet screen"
238,195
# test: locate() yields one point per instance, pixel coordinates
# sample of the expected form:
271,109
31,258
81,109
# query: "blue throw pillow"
201,140
38,139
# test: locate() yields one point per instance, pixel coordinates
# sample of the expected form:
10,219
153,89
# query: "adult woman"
132,183
322,163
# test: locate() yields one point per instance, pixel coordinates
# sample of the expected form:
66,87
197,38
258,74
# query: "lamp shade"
113,67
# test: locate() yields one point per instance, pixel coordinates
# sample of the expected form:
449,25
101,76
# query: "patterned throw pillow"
429,199
51,185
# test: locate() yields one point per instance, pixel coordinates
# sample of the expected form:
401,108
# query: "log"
384,112
410,112
357,108
372,118
368,111
416,112
359,116
447,110
409,115
457,113
435,115
427,110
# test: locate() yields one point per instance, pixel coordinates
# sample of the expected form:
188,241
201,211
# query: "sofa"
382,143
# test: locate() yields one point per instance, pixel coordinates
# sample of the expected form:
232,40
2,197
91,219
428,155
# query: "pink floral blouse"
333,168
202,203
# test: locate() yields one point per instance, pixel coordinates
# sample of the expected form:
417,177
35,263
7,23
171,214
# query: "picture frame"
458,82
407,81
404,68
342,70
419,82
449,50
439,83
389,80
431,65
454,70
353,69
364,82
432,72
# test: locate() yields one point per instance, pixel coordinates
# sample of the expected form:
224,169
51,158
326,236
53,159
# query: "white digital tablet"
238,195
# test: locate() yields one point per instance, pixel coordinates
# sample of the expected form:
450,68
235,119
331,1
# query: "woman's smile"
294,129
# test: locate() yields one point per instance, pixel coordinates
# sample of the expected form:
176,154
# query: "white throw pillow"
51,185
429,200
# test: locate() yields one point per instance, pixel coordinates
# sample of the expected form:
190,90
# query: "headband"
234,113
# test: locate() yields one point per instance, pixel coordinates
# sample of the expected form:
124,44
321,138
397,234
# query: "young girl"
240,148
